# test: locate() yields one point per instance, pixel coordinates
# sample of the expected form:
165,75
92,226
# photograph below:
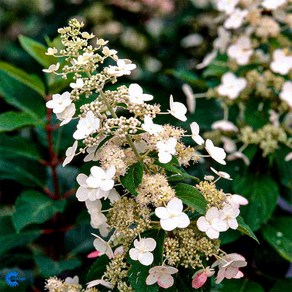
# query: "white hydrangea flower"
231,86
53,68
273,4
86,35
235,19
191,99
102,246
97,218
241,51
221,173
84,192
70,153
51,51
229,214
162,276
142,251
172,216
212,223
224,125
86,126
59,102
67,114
136,94
286,93
110,53
195,133
228,145
104,283
226,6
124,67
78,84
92,154
235,201
166,150
281,63
83,59
223,39
150,127
217,153
207,60
177,109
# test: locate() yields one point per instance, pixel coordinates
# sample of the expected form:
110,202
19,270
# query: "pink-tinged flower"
229,267
217,153
195,133
162,276
230,214
201,277
213,223
172,216
177,109
228,144
224,126
94,254
142,251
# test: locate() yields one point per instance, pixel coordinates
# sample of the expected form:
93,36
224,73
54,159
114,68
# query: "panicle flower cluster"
136,163
255,36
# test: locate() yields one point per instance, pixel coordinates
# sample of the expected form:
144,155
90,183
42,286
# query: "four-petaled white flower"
59,102
124,67
97,218
177,109
67,114
53,68
281,63
166,150
172,216
195,133
136,94
78,84
142,251
84,192
150,127
241,51
273,4
162,276
231,86
229,214
217,153
86,126
235,19
286,93
101,179
221,173
229,267
212,223
226,5
70,153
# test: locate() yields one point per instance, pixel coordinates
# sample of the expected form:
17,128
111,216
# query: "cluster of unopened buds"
124,148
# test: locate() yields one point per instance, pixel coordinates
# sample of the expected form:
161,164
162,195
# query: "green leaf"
10,121
282,285
242,285
138,273
262,194
13,146
133,178
49,267
32,81
34,207
37,51
98,268
244,228
278,234
21,96
191,197
9,239
24,171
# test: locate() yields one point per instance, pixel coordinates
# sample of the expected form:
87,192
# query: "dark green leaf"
244,228
10,121
262,194
37,51
13,146
34,207
278,234
10,239
282,285
133,178
98,268
32,81
242,285
191,197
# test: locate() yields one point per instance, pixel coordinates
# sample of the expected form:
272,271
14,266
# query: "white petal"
212,233
183,220
162,213
174,206
146,258
203,224
134,253
149,244
164,157
151,279
168,224
165,281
